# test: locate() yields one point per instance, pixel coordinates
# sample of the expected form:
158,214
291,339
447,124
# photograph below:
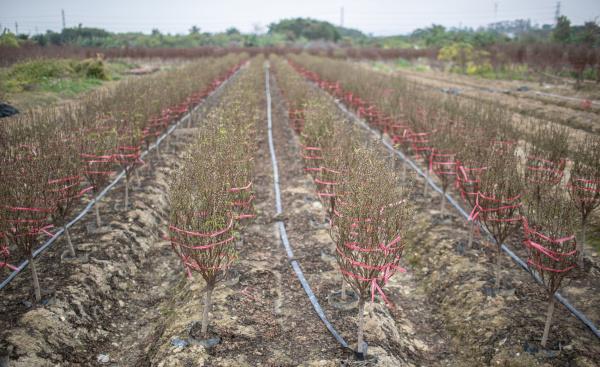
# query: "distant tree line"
557,48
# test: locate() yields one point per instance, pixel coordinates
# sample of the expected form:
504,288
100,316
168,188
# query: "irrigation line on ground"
582,317
281,225
103,193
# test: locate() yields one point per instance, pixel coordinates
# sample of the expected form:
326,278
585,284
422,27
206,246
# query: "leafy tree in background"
588,35
194,30
308,28
562,31
9,39
232,31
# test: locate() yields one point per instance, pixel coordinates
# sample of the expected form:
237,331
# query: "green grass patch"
69,87
53,75
403,63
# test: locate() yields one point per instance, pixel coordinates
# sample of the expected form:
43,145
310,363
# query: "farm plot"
558,104
82,293
190,269
457,274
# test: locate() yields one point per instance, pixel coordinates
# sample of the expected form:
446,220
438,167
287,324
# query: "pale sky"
379,17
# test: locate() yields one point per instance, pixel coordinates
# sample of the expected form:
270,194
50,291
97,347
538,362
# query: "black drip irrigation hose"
281,225
103,193
560,298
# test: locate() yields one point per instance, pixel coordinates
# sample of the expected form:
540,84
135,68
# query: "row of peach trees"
51,157
509,178
211,195
368,210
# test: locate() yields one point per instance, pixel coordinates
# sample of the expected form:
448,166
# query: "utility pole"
496,11
16,28
342,16
62,11
557,12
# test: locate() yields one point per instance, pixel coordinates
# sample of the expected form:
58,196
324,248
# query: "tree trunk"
126,192
498,268
69,243
471,230
361,326
138,180
343,297
443,204
581,246
35,280
403,171
97,210
425,182
207,307
548,321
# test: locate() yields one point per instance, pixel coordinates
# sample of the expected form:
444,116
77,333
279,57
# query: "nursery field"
285,210
555,100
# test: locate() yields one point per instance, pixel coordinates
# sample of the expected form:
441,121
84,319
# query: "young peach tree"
96,152
549,229
498,202
65,184
27,208
372,221
584,185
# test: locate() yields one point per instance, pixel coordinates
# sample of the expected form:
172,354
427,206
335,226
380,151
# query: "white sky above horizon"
378,17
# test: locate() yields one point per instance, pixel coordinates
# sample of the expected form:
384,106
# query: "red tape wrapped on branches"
352,251
296,117
312,157
543,171
546,254
211,246
128,156
243,202
420,144
442,163
584,191
400,133
468,178
67,189
28,222
493,209
5,254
